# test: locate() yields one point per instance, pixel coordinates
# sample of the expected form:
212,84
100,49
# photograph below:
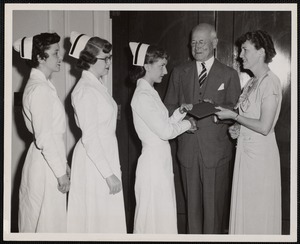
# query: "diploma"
203,109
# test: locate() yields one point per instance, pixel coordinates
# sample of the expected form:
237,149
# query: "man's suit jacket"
222,85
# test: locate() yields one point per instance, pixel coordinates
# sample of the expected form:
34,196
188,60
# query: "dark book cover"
203,109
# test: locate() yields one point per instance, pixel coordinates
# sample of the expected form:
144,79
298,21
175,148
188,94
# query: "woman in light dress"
154,186
256,187
44,182
96,202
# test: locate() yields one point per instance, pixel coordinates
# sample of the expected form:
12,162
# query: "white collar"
94,81
144,84
208,64
36,73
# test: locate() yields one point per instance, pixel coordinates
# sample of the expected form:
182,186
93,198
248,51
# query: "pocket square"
221,87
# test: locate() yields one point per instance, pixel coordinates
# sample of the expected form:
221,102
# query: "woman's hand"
225,113
114,184
63,183
185,107
234,130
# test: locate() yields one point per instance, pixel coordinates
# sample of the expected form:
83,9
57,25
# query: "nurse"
44,182
96,203
154,186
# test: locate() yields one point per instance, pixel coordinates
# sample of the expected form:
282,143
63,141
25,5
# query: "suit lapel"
214,79
190,84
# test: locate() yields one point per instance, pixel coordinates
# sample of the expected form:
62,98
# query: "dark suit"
206,154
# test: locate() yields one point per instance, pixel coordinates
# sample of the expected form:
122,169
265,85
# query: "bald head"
207,28
203,41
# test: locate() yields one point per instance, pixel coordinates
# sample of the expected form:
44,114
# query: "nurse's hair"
260,39
153,54
40,44
92,49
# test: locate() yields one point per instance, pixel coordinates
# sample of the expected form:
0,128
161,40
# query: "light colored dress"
91,209
256,187
42,207
154,186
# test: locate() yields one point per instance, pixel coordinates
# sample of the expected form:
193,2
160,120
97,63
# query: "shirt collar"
208,64
91,77
144,84
36,73
39,74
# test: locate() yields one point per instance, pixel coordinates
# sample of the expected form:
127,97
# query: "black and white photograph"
150,122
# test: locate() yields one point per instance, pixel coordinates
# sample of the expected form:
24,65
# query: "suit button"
200,93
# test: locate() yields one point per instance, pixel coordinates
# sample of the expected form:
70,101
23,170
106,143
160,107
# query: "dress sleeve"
268,87
84,103
41,108
177,116
164,127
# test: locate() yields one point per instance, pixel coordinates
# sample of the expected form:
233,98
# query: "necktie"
203,75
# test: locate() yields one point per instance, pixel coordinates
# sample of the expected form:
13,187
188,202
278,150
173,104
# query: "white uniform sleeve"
84,105
165,128
41,108
177,116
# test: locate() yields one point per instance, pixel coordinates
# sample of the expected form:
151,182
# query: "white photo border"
8,15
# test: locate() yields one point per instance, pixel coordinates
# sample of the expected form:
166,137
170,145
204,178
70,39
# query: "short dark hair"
92,49
40,44
260,39
153,54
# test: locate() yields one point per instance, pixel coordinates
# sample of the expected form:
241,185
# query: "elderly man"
205,155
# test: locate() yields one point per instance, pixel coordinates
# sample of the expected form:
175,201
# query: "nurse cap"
139,51
78,43
24,47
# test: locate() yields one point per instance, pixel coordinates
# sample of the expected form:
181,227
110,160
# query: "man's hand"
194,125
208,100
234,130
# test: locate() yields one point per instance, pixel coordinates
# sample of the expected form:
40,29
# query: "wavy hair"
93,47
260,39
40,44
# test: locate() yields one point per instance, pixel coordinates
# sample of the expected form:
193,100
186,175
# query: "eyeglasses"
198,43
106,59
